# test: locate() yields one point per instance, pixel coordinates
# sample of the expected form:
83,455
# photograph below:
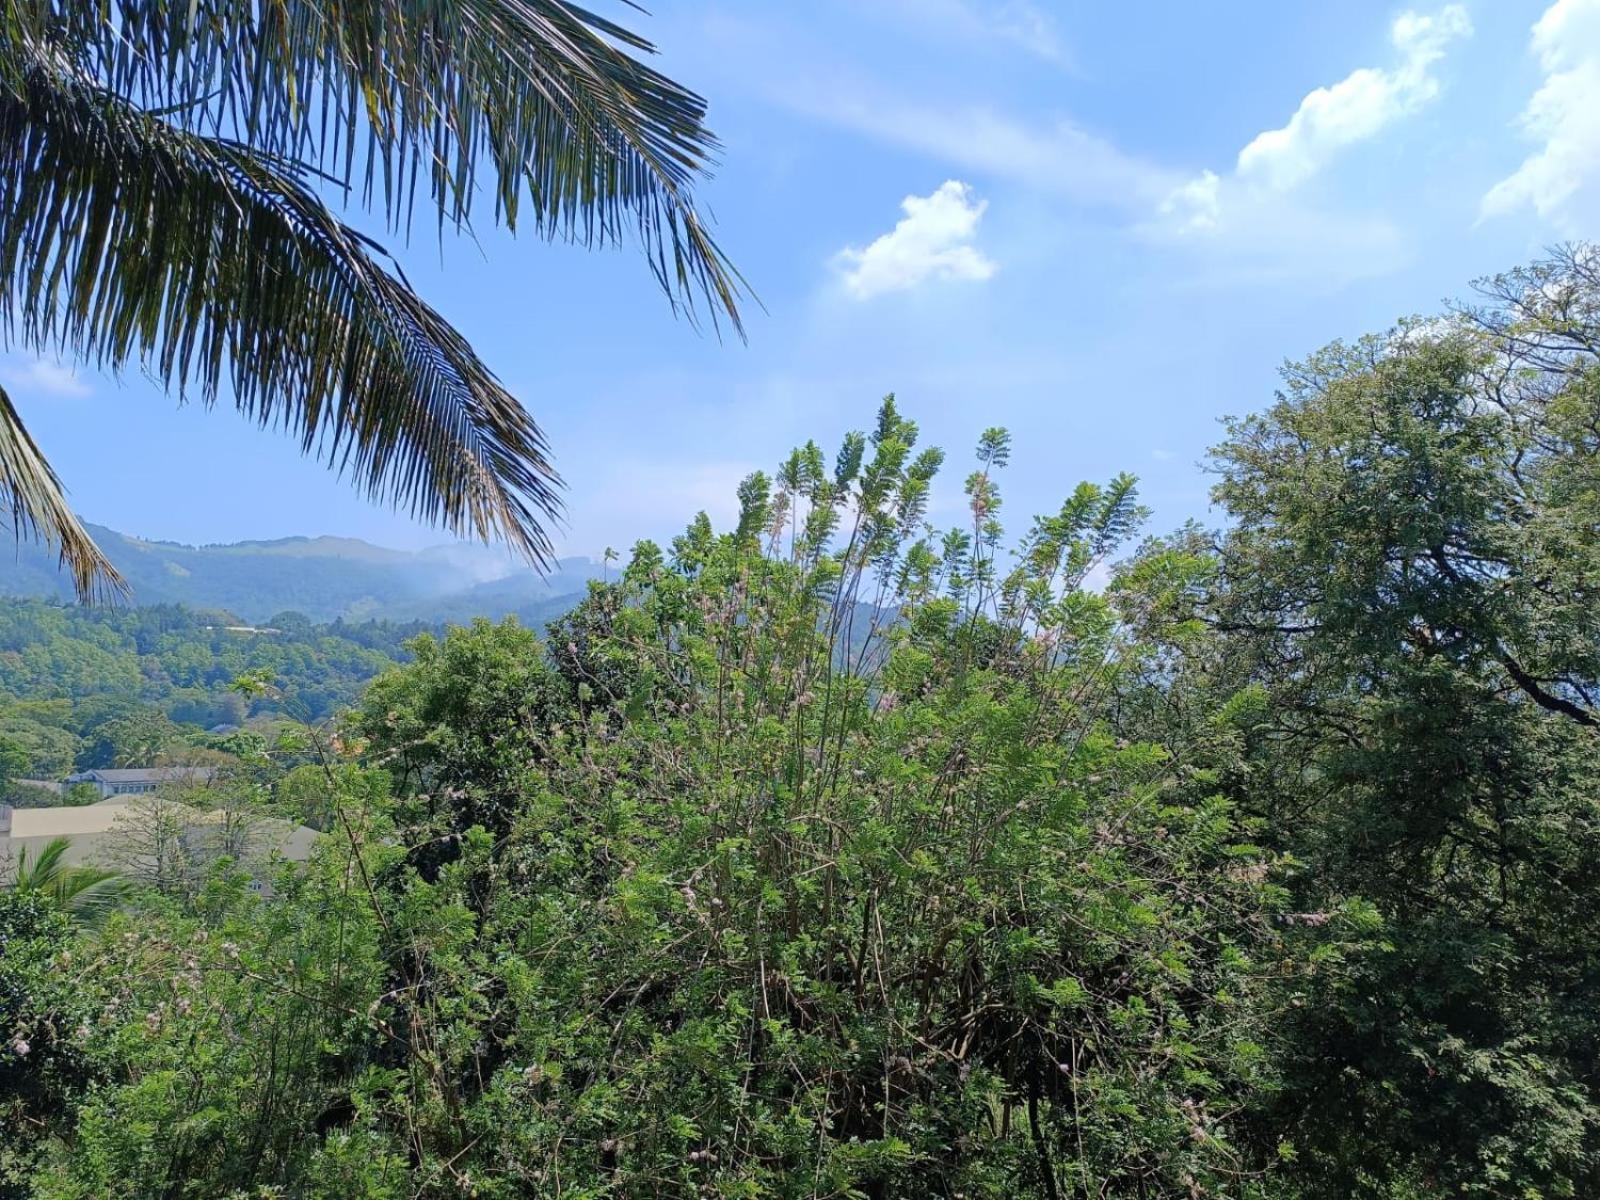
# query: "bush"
825,878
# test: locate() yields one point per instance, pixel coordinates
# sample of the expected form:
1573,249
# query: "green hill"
325,578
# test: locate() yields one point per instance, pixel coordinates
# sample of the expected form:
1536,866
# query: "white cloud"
634,497
1235,231
1428,330
1240,231
788,65
1195,207
1561,180
1098,578
1058,156
1251,218
1359,105
44,377
932,241
1053,154
1022,24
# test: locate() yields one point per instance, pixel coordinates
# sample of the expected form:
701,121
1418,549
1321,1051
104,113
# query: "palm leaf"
88,893
392,95
156,207
31,490
39,872
124,239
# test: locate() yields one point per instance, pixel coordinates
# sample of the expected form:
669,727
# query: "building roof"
69,821
64,822
145,774
87,825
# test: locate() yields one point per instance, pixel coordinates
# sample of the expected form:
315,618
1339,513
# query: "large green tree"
1407,603
163,169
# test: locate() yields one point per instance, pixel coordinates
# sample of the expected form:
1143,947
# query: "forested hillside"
1270,871
99,687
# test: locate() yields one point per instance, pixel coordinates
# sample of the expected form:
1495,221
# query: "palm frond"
39,871
89,894
391,95
124,239
30,489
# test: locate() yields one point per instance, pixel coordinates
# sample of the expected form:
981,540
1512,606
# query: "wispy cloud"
932,241
1560,180
43,377
1234,226
1236,235
1359,106
1196,206
1329,119
1056,156
787,67
1016,23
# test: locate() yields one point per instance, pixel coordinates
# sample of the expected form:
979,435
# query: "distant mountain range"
324,578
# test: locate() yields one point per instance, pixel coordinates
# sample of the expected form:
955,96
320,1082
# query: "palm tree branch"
39,872
123,239
30,489
389,94
88,893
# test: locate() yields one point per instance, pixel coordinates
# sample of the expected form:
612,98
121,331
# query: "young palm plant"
87,894
163,174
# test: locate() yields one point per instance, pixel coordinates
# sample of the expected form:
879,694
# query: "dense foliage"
830,855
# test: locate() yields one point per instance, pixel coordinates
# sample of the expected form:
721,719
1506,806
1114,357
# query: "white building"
139,781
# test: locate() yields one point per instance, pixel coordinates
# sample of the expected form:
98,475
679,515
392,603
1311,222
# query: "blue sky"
1103,226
